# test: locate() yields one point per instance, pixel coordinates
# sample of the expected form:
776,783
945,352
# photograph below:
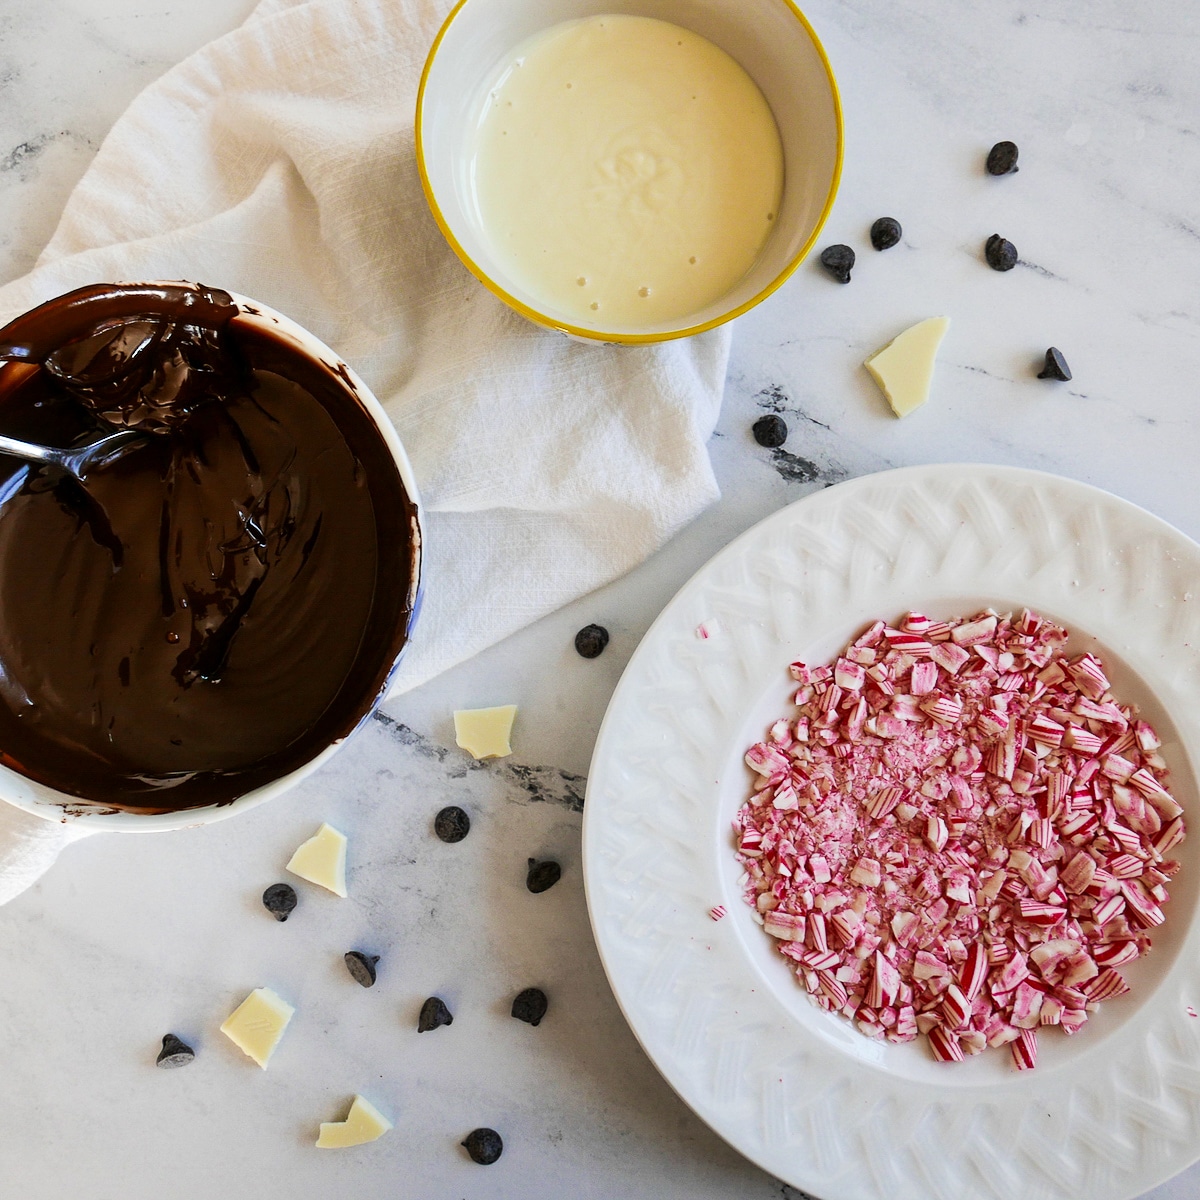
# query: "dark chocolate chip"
279,900
838,260
591,640
1056,366
484,1146
542,875
361,966
770,431
530,1006
452,824
434,1014
1002,159
1001,254
174,1053
885,233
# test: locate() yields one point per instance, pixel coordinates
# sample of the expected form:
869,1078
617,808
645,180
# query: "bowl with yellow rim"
472,61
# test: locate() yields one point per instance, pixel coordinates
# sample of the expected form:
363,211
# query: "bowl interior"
769,38
47,802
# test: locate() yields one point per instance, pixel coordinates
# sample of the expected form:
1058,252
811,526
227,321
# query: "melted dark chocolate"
211,610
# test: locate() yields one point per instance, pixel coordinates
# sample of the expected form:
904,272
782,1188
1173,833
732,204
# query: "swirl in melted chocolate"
214,608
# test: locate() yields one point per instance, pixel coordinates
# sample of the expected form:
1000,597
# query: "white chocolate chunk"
322,860
484,732
363,1123
904,367
257,1024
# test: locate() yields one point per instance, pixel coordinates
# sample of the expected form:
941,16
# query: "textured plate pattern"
1108,1113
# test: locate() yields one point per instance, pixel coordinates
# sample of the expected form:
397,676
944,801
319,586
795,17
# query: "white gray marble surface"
129,937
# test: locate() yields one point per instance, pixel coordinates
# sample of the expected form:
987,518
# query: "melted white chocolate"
627,171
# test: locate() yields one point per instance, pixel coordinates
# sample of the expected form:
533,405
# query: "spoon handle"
31,451
80,459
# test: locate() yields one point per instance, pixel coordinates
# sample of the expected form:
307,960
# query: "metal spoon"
80,459
18,358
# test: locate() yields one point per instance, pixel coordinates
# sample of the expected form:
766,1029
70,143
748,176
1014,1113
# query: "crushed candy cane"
708,629
717,911
960,833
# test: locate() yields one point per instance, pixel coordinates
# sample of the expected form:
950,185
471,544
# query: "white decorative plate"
1107,1114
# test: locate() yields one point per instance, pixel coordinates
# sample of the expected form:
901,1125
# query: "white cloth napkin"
28,848
278,162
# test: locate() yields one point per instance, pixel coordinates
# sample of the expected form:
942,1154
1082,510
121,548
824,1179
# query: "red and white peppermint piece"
949,657
750,842
1084,741
945,710
1038,913
936,833
866,872
768,760
781,733
908,643
845,926
1125,866
1079,969
1105,985
1108,910
945,1046
815,935
831,989
971,633
1045,731
1170,837
1072,1020
849,675
821,960
974,970
1158,795
924,677
881,802
788,927
1140,904
906,927
1052,1011
1116,954
956,1008
885,983
1088,676
1025,1049
1148,741
1027,1005
1078,874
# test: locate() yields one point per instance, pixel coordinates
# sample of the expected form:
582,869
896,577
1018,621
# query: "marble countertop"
131,937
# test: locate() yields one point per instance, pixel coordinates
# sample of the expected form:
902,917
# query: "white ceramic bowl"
47,802
773,42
